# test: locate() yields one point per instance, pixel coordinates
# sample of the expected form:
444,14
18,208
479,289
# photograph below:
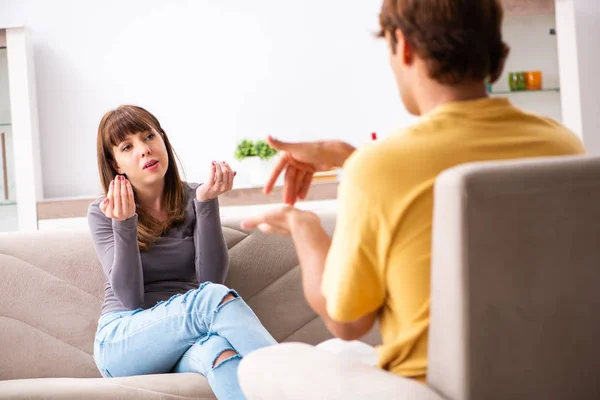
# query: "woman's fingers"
212,176
117,197
225,176
130,200
124,198
110,203
218,174
103,206
230,175
119,203
110,190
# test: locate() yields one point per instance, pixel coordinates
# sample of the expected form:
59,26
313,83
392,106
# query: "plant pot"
253,171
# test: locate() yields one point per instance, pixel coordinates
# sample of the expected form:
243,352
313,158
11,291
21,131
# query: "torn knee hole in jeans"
230,296
225,356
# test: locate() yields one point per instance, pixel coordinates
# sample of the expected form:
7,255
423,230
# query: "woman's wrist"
202,199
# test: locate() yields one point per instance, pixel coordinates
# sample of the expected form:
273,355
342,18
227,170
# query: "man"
377,266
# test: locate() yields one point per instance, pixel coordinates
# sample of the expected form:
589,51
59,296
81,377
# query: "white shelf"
506,92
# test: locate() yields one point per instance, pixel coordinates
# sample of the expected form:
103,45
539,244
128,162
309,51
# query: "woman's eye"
150,136
125,148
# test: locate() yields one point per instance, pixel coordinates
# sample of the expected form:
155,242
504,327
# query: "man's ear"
403,48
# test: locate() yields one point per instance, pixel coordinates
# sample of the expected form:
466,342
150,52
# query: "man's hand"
279,220
300,161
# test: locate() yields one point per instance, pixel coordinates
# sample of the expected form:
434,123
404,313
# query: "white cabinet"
21,174
529,30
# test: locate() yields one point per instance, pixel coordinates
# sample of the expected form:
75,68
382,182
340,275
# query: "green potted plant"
256,161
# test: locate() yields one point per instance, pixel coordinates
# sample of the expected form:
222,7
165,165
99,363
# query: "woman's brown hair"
459,40
114,127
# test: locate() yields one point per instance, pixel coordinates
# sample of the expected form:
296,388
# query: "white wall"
212,72
216,72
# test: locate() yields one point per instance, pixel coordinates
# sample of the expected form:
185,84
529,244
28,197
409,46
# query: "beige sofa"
515,302
51,291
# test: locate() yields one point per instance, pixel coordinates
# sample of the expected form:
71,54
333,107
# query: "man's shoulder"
385,156
556,135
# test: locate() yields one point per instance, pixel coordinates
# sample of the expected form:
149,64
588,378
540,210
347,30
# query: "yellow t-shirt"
381,249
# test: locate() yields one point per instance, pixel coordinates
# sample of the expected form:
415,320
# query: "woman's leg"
234,320
217,360
153,340
234,331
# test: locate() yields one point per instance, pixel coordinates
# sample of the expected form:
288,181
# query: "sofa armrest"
297,371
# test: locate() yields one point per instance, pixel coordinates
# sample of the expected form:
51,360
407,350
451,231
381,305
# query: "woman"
161,247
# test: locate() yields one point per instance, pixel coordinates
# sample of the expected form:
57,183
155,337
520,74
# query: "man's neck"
432,94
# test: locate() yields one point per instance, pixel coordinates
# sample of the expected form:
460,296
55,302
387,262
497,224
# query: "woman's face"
142,157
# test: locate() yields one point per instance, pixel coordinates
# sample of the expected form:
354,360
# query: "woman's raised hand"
219,181
119,203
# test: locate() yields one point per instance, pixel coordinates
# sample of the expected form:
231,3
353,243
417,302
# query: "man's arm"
312,244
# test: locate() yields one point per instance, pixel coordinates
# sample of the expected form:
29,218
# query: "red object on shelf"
373,136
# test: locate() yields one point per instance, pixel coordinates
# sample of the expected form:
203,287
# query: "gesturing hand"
300,161
220,180
279,220
119,203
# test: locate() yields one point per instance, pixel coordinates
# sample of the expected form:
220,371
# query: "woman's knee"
227,298
210,298
226,355
219,292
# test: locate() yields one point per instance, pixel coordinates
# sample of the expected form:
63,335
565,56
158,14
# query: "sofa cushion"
167,386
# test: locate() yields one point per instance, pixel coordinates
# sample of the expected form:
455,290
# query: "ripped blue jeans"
187,333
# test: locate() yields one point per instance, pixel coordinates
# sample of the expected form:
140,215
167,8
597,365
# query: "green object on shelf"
512,81
521,81
517,81
5,124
